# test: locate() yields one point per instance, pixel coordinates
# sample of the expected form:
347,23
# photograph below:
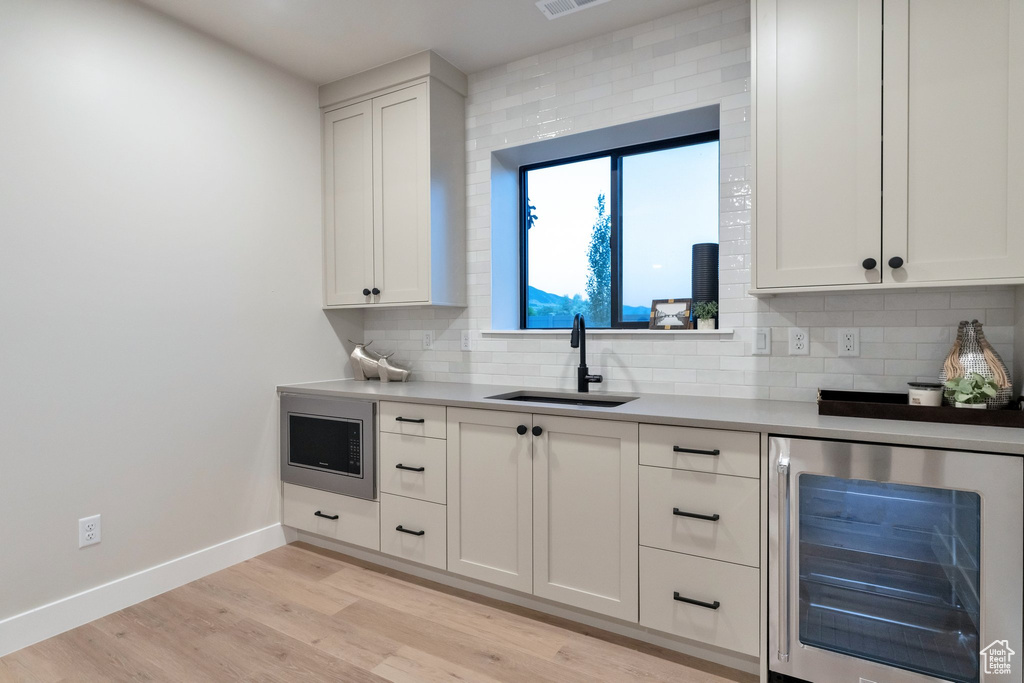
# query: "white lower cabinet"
413,466
704,600
546,505
413,530
710,515
343,518
585,514
561,507
490,537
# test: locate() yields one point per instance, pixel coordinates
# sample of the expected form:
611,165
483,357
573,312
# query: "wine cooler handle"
784,561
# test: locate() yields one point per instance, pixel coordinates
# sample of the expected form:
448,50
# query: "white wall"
159,275
693,58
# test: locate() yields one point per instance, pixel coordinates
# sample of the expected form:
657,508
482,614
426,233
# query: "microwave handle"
784,550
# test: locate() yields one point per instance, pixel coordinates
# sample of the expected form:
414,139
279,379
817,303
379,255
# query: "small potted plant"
705,312
971,391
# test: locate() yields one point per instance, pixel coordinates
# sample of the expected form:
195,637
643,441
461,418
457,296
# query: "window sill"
608,333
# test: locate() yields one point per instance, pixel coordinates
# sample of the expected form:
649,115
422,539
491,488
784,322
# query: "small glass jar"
925,394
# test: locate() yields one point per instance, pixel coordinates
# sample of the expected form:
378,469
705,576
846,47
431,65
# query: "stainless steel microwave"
327,443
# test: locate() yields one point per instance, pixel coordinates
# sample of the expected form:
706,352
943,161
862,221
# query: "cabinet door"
954,139
585,529
489,497
818,142
401,193
348,204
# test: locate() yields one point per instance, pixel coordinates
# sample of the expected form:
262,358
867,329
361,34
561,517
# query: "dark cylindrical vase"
704,276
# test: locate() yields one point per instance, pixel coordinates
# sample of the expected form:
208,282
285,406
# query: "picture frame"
671,314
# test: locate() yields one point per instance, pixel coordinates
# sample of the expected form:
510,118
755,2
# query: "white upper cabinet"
954,140
395,186
348,204
819,152
933,202
401,196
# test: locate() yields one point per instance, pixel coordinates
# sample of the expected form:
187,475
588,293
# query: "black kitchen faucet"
579,340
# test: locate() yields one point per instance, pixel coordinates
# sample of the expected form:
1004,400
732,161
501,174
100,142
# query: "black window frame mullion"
524,236
615,262
615,213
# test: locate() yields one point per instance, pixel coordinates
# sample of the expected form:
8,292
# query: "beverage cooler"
892,564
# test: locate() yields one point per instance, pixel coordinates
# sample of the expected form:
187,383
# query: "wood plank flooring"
301,613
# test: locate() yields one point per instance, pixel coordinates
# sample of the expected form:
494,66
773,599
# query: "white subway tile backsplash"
697,57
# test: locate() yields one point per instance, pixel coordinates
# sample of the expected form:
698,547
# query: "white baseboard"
46,621
623,628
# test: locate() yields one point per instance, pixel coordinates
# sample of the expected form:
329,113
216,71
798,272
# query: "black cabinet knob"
376,291
869,264
895,262
521,429
537,431
366,292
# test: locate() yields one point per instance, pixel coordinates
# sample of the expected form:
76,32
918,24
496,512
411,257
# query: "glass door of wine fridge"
893,564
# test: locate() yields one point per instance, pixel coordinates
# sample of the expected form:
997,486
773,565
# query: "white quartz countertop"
786,418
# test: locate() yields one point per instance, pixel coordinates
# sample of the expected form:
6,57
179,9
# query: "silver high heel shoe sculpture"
367,364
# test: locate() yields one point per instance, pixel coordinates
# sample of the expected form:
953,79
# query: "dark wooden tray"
894,406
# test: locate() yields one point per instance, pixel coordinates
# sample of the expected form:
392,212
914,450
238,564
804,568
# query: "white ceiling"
324,40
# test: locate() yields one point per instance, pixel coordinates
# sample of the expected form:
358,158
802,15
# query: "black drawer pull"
414,420
680,449
699,603
680,513
408,531
320,514
400,466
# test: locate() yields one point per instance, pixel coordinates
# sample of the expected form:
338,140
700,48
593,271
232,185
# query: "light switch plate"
762,344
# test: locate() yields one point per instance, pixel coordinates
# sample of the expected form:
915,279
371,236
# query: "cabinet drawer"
413,466
733,537
414,419
358,520
425,538
666,576
737,452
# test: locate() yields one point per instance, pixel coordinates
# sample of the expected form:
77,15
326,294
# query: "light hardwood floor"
301,613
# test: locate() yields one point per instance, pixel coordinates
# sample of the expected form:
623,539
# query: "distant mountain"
538,297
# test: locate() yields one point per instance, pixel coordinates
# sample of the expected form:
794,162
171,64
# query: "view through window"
606,234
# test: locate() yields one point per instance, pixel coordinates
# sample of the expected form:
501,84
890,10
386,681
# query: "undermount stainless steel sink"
566,398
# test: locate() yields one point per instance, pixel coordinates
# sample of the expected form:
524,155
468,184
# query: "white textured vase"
705,323
970,339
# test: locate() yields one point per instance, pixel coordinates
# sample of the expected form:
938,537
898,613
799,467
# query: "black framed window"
605,234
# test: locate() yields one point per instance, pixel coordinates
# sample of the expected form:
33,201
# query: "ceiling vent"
553,9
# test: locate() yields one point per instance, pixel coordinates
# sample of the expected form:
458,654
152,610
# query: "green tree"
599,271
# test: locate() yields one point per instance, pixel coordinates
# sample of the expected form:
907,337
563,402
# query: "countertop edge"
981,439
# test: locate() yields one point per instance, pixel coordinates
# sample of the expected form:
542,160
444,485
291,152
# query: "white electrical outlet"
849,341
799,342
428,340
89,531
467,340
